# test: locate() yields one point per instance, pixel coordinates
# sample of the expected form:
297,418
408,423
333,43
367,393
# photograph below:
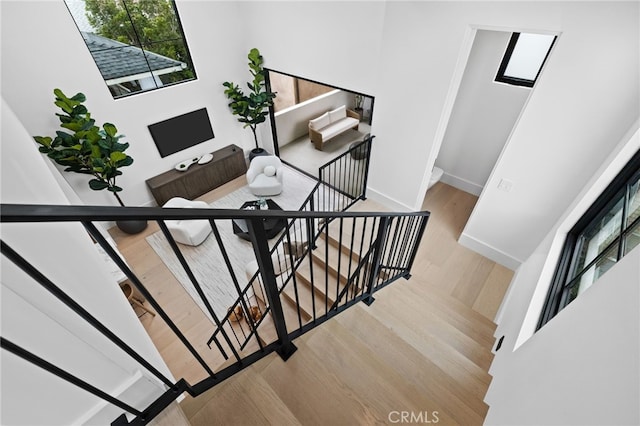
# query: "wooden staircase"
415,348
418,348
319,280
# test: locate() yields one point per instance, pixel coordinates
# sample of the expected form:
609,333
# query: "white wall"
33,319
528,372
54,55
293,122
483,116
575,116
583,367
406,56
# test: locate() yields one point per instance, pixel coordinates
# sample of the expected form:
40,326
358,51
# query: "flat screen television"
181,132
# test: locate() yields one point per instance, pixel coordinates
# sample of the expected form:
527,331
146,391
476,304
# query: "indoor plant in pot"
251,109
88,149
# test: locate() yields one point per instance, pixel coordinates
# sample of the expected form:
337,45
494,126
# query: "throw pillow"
320,122
338,114
269,171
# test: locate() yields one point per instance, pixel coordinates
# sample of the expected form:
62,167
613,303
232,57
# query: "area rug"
206,260
302,154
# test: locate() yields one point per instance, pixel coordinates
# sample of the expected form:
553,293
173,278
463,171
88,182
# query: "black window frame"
141,46
557,297
500,77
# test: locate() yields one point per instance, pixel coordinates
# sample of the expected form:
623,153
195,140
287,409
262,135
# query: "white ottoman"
189,232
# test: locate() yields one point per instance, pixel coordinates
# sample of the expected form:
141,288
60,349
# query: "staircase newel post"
375,262
416,244
265,264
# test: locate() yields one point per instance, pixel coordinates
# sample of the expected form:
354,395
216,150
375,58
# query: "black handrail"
31,213
383,252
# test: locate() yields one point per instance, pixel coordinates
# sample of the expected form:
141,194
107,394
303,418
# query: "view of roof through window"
137,46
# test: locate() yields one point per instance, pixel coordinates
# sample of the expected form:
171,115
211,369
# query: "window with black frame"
606,232
524,58
137,45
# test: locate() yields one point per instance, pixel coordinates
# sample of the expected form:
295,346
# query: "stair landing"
424,346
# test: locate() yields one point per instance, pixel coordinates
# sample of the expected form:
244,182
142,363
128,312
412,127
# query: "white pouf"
189,232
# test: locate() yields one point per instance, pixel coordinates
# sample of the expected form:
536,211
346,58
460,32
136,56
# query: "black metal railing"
320,264
379,250
346,176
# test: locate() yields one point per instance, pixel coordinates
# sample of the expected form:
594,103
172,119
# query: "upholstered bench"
331,124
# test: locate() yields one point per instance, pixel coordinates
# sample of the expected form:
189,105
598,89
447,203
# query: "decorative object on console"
205,158
181,132
89,150
188,232
251,109
264,176
184,165
331,124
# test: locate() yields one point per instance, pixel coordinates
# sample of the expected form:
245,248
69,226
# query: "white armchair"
264,176
189,232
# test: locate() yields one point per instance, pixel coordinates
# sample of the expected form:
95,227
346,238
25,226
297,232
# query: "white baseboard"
462,184
489,252
388,201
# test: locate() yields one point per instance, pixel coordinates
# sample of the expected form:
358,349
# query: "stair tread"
452,304
305,298
469,340
453,385
324,278
359,237
340,259
267,330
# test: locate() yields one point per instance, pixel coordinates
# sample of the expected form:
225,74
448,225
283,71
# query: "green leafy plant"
251,109
359,99
87,148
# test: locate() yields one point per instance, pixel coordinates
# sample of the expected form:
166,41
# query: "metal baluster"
57,371
261,248
197,286
227,261
59,294
375,263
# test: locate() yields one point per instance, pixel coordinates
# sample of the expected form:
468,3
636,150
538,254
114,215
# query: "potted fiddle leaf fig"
88,149
252,108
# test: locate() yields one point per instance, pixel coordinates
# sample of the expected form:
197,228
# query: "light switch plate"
505,185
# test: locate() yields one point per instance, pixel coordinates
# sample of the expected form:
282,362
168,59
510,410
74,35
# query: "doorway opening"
484,108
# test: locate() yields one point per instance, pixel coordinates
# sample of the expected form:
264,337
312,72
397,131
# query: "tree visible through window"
138,45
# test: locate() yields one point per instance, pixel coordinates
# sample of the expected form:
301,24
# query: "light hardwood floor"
422,348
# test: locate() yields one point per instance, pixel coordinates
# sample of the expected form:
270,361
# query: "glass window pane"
528,56
594,272
137,45
598,235
155,21
633,209
632,239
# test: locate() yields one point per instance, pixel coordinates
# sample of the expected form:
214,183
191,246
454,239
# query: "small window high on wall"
136,45
524,58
